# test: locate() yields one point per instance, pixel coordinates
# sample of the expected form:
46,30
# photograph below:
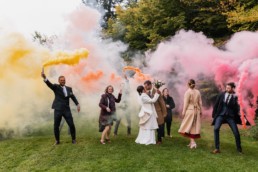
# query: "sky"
27,16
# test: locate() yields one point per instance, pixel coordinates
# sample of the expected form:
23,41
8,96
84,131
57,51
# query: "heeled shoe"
108,140
193,145
102,142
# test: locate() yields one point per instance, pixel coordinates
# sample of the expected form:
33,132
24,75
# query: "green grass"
35,152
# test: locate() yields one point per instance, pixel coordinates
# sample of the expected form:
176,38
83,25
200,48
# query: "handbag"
144,118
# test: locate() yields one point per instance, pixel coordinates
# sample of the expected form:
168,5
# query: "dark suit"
62,108
226,112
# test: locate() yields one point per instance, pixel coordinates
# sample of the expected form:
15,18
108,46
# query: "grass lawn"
34,152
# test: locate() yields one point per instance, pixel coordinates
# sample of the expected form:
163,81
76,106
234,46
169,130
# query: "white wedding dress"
147,130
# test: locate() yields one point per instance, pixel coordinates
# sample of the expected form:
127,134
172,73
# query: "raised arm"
147,99
118,99
49,84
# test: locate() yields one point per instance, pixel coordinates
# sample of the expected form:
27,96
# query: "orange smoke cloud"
93,76
139,75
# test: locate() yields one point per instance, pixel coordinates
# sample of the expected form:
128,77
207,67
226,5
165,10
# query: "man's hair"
148,82
231,84
61,77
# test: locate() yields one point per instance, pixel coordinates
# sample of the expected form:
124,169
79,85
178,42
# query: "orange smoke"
139,75
93,76
114,78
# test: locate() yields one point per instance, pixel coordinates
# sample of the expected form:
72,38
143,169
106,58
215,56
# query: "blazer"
160,107
108,100
147,104
61,102
233,108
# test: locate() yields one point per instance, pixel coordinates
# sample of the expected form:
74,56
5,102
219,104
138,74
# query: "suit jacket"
160,107
233,109
147,104
61,102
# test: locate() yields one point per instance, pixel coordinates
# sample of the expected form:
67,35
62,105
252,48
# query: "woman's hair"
140,89
164,90
191,83
106,90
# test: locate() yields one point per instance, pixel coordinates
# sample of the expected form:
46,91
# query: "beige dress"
191,124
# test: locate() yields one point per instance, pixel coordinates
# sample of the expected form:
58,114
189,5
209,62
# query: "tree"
107,5
148,22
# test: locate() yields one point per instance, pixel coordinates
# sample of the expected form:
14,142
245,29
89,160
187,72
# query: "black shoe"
74,142
240,151
56,143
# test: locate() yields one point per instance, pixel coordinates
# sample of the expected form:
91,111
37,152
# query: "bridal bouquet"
158,83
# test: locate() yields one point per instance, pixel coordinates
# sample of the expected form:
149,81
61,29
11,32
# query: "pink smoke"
190,54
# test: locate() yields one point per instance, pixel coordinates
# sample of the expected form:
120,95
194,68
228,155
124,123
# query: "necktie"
227,100
65,91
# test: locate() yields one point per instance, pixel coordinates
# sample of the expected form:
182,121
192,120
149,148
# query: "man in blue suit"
226,110
61,106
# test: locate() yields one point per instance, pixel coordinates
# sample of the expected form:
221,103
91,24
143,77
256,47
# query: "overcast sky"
27,16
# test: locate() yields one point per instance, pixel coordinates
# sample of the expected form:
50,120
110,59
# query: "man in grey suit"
61,106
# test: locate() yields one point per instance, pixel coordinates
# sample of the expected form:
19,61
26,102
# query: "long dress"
191,124
147,130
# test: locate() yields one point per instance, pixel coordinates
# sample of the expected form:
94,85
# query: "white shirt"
226,96
64,90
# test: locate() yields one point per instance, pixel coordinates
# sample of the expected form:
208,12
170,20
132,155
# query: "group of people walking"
154,115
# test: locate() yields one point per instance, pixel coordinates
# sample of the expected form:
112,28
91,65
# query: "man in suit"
160,108
61,106
226,110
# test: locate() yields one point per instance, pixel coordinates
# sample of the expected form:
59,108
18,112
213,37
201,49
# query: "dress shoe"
74,142
216,151
240,151
56,143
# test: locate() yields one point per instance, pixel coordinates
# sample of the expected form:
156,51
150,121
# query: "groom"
226,110
160,108
61,106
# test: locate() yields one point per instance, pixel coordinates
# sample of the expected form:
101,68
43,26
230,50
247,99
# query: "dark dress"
168,119
105,117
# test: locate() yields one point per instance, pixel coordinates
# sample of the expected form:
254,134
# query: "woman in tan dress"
192,111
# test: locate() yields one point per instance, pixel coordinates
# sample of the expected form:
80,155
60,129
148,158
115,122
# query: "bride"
148,117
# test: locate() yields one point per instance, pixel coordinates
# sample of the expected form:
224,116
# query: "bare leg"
104,133
108,132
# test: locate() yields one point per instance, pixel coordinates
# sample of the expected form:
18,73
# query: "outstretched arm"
118,99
